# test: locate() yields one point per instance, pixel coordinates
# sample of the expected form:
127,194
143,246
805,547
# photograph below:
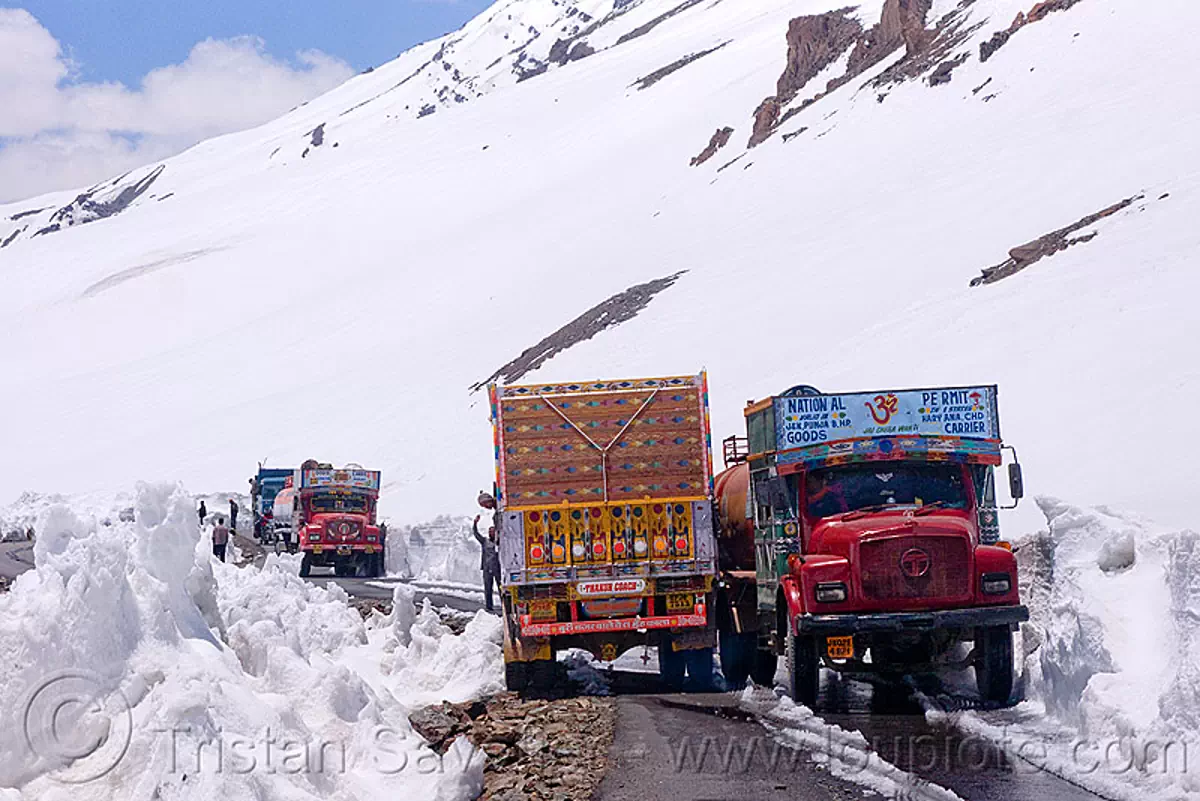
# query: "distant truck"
860,532
265,485
604,514
334,520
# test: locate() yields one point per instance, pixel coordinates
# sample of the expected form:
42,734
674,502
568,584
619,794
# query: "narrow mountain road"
15,558
703,746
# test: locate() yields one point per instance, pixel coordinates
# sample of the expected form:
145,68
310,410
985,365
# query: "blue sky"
74,108
122,40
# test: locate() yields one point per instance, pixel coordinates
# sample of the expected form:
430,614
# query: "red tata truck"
604,514
859,532
334,520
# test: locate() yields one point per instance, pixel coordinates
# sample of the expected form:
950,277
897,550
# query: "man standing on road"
233,513
220,537
203,512
489,562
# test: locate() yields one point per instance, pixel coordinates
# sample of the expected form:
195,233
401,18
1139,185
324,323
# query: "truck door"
775,531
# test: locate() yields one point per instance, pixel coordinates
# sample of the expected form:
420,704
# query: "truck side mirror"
1016,483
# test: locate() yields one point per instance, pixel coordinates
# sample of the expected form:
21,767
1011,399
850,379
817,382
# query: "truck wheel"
671,665
542,674
699,663
737,656
516,676
763,667
994,663
306,565
804,669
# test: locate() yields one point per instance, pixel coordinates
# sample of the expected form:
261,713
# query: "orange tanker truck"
859,533
604,514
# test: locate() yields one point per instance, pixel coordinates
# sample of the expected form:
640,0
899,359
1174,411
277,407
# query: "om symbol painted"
883,408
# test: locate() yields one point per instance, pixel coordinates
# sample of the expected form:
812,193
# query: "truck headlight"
996,583
831,592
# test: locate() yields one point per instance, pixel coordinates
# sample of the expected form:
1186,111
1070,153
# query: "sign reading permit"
962,412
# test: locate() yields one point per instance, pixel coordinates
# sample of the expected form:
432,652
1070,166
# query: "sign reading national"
959,412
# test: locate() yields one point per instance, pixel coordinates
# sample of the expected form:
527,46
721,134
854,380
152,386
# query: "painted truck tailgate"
602,441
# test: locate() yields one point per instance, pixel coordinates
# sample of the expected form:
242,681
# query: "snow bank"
139,668
1111,655
444,550
423,662
846,754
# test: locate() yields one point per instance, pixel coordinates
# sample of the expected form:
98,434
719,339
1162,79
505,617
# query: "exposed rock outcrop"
1023,256
620,308
814,42
718,141
1036,14
646,81
101,201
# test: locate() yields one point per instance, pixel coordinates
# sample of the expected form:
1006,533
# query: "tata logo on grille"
915,563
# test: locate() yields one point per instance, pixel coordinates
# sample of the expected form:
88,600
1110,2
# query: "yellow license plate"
370,549
681,603
839,647
316,549
543,610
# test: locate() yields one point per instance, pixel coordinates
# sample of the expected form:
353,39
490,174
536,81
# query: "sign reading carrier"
606,587
959,413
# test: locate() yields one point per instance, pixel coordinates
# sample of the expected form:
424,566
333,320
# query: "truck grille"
884,577
341,530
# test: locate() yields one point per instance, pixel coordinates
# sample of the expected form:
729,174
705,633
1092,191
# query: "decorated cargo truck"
604,514
860,533
335,520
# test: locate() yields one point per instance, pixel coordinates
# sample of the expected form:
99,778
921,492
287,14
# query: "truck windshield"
338,502
848,488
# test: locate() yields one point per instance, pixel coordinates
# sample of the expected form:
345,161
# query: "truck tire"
699,662
516,676
672,665
306,565
542,675
994,663
804,669
764,666
737,656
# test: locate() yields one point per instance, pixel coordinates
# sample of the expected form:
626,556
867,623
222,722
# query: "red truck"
604,512
335,522
859,532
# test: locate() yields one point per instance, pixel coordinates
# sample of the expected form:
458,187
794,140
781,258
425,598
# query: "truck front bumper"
851,623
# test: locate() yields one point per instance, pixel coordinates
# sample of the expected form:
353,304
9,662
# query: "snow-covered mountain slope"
333,283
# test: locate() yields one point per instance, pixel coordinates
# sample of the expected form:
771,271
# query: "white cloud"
57,133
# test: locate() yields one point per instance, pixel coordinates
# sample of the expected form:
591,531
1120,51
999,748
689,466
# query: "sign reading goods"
592,589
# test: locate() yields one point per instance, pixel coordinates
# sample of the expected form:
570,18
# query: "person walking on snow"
489,562
220,537
203,512
233,513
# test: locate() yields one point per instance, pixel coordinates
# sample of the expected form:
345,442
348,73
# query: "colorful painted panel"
602,441
616,534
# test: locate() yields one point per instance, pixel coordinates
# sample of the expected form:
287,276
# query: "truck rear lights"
831,592
996,583
639,547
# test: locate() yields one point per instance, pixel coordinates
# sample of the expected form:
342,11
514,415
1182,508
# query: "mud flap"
518,648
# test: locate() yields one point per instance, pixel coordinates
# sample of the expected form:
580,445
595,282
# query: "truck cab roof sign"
889,424
323,477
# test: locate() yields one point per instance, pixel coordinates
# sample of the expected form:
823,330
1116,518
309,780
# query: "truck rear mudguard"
883,622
